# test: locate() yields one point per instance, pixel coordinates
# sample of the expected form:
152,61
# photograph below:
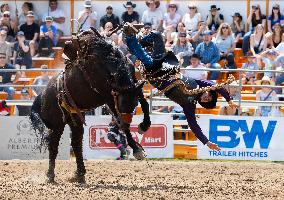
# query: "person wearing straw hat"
130,15
266,94
87,18
153,15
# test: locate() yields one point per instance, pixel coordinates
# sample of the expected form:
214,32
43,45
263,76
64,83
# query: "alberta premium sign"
19,141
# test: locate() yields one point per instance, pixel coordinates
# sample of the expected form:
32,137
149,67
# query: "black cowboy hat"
238,15
210,104
157,2
214,7
129,4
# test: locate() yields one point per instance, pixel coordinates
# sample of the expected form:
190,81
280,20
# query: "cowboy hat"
157,2
214,7
129,4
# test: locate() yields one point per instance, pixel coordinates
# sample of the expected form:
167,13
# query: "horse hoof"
139,155
78,179
140,131
50,180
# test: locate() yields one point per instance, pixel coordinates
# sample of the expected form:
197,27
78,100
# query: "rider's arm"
189,111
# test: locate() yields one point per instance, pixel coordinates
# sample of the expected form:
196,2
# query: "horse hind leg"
76,143
53,143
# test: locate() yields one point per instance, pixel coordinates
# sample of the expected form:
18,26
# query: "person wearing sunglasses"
153,15
275,18
5,46
214,18
191,18
87,17
6,77
226,44
170,22
11,24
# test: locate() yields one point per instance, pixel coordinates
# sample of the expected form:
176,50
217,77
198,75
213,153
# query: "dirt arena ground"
145,180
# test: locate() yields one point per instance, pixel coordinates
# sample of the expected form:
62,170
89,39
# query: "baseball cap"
48,19
24,92
208,32
147,25
30,14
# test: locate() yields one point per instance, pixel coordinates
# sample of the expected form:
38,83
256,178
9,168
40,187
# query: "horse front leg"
138,151
77,145
53,143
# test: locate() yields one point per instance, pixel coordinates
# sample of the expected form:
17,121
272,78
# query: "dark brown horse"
96,74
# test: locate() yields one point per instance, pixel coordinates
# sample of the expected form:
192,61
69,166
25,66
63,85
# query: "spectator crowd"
197,41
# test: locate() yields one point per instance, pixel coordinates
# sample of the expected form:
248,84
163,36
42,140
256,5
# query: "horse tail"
37,123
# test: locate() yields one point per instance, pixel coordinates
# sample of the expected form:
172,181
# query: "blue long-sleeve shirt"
189,111
208,53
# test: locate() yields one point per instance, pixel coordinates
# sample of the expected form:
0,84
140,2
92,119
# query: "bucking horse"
96,73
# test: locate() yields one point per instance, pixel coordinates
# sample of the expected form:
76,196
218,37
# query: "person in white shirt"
58,17
195,74
87,18
192,18
153,15
170,22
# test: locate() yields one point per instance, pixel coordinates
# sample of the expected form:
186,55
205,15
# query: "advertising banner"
157,141
243,138
19,141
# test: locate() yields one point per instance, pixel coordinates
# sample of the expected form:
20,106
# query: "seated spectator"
31,31
255,17
6,77
276,37
226,43
197,36
195,74
179,29
11,24
170,22
266,94
130,15
182,49
47,37
23,110
234,91
22,54
238,26
191,19
107,29
4,109
269,59
26,7
58,17
209,54
279,65
8,38
214,18
153,15
109,17
258,41
41,81
251,64
87,18
275,18
5,47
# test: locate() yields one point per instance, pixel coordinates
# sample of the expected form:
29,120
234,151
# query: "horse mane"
111,56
